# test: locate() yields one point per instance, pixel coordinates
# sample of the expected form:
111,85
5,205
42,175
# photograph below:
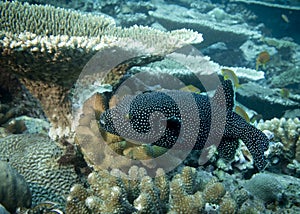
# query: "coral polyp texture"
136,192
286,131
36,157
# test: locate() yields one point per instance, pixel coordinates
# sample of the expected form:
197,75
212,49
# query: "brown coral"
214,192
117,192
228,206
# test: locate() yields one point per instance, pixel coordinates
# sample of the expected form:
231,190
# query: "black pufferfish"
179,119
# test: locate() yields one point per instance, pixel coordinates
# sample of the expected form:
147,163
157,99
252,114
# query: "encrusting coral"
266,187
47,48
116,192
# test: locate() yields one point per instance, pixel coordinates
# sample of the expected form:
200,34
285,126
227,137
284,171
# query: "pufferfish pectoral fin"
227,148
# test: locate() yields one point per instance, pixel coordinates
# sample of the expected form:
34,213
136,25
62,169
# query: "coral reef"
287,78
12,103
50,54
215,28
14,191
185,66
116,192
283,13
266,187
36,157
288,5
287,132
265,101
275,189
187,191
45,49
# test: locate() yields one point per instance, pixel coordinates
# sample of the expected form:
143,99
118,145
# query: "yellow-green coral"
162,183
188,176
148,201
76,200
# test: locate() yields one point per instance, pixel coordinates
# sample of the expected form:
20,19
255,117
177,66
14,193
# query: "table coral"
48,54
15,99
35,157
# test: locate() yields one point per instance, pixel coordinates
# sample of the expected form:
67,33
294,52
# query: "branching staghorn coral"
116,192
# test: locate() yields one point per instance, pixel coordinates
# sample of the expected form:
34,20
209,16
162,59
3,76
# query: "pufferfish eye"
127,117
102,122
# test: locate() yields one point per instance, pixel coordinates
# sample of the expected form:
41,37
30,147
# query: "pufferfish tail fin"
224,93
